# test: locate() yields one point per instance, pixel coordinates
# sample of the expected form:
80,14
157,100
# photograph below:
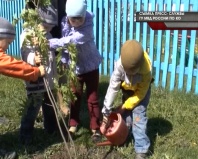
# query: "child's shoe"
141,156
7,155
96,137
73,129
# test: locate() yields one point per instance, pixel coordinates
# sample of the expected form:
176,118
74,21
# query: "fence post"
118,28
167,50
182,51
145,26
151,39
112,37
176,7
106,32
100,30
137,28
159,48
132,23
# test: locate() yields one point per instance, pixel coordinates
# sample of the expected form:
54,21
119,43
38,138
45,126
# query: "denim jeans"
137,119
34,103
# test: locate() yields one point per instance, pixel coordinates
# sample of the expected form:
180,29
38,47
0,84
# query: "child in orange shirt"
10,66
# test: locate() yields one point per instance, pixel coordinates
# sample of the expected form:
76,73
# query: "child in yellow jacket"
132,74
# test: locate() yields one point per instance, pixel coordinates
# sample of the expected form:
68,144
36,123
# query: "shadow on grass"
158,127
41,141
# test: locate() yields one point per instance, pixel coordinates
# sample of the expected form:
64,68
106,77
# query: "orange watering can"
117,131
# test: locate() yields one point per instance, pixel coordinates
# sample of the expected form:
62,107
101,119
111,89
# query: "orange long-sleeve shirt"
9,66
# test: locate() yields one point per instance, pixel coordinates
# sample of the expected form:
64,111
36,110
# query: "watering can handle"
103,128
106,122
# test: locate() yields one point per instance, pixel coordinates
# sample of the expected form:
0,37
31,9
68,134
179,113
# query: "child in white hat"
77,28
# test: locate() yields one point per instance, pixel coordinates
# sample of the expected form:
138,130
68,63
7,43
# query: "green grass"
172,126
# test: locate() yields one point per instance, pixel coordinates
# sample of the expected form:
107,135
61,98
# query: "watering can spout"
105,143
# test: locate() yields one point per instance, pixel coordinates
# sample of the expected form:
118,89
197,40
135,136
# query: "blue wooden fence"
10,9
174,56
174,62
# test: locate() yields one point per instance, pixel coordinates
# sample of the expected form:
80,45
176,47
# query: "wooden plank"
124,20
131,24
167,50
100,30
195,8
182,51
118,28
112,37
151,50
174,54
159,48
95,21
106,30
191,55
90,5
137,33
145,25
191,61
1,13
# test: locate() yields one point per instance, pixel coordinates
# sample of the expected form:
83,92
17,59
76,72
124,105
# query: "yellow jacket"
139,83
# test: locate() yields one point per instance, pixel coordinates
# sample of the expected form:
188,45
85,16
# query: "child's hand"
41,27
105,124
42,71
37,58
65,109
35,41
